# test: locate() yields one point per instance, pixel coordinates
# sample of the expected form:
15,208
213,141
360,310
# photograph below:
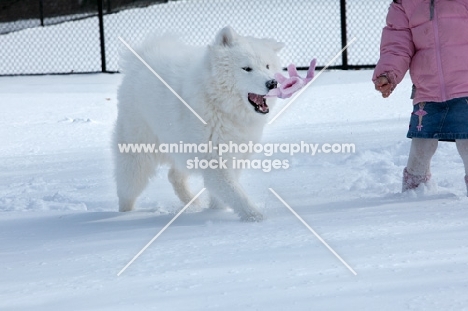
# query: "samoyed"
224,83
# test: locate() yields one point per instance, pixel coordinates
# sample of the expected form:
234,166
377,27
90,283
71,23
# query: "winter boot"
411,181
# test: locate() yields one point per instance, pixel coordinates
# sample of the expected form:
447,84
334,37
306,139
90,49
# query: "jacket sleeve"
396,46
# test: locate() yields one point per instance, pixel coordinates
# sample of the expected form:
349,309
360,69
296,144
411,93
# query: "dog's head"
244,68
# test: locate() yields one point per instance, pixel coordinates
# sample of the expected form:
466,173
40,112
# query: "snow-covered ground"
62,241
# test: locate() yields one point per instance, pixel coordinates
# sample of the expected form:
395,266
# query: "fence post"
41,13
344,38
101,36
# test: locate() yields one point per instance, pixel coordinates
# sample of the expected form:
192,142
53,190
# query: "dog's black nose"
271,84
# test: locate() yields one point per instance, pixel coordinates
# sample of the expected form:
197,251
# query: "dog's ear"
226,37
273,44
277,46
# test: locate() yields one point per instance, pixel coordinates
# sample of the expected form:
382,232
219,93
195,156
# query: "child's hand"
384,86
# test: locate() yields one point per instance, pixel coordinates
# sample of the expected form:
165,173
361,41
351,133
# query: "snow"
63,241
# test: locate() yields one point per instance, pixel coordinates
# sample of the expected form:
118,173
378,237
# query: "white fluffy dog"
224,83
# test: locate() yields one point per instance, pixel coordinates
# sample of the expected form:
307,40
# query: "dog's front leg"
223,185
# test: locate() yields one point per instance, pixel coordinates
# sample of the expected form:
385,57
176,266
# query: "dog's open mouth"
259,103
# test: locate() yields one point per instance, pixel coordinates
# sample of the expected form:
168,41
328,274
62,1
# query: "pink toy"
289,86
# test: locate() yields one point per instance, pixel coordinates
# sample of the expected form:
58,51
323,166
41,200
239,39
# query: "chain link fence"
71,36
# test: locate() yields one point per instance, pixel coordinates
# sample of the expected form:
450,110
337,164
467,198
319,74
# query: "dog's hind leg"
179,183
216,203
132,174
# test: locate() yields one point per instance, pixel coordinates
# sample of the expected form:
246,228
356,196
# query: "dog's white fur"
213,82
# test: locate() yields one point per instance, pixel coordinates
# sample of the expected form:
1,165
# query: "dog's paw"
252,217
125,206
216,205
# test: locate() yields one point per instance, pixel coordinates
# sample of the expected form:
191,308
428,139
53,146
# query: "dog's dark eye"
268,66
248,69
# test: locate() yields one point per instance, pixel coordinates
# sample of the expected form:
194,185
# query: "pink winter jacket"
430,37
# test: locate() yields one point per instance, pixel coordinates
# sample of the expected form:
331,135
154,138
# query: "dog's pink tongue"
258,99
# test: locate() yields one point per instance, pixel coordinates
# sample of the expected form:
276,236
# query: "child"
430,38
